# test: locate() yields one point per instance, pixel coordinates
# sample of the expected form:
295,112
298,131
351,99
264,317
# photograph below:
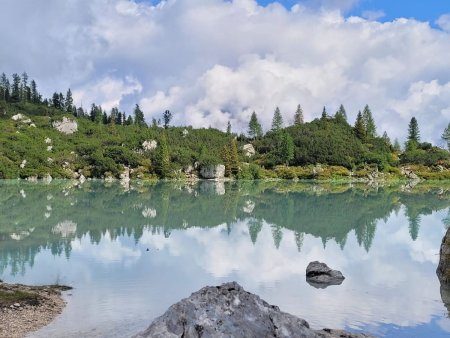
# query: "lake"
131,252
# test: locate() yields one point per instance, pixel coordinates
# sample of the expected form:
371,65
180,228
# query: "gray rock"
212,171
229,311
443,269
321,276
445,296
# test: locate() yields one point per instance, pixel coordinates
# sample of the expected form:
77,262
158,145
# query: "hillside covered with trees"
106,142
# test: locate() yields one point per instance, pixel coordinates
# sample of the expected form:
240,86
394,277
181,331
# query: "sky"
214,61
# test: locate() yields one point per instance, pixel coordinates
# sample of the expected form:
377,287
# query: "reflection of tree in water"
329,213
365,234
299,237
277,234
254,228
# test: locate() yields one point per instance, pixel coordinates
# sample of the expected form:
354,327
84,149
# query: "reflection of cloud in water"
106,251
392,283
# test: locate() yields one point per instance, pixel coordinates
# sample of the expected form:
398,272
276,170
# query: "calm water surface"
263,235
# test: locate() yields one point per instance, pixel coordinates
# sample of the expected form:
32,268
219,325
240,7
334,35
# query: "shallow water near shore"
131,252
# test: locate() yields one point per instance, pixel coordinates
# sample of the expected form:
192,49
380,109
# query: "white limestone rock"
149,145
66,126
249,150
212,171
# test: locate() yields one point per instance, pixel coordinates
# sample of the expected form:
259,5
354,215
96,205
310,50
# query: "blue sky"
423,10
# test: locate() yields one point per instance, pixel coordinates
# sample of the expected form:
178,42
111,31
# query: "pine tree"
69,101
139,117
234,157
24,89
446,135
105,118
397,148
360,129
6,90
413,131
167,118
369,122
55,101
277,121
15,88
324,114
226,157
254,127
298,116
129,120
34,93
286,148
162,157
119,119
341,114
114,115
62,102
229,128
386,139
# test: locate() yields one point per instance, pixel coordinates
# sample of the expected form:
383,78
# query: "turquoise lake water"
131,252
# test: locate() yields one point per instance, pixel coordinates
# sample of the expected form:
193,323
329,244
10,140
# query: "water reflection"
262,234
37,217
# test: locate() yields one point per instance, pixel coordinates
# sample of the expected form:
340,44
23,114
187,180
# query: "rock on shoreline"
25,309
230,311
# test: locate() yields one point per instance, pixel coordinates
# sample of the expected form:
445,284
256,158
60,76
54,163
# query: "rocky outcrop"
409,174
212,171
66,126
249,150
230,311
321,276
443,269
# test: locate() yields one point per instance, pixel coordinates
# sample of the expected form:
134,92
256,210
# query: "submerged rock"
321,276
230,311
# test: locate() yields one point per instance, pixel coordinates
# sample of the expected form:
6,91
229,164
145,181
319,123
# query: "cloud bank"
210,61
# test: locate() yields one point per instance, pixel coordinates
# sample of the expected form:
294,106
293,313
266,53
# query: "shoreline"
25,309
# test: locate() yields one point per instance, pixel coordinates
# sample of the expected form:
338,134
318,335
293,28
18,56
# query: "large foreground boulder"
321,276
230,311
443,269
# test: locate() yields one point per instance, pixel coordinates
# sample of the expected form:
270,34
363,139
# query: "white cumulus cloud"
210,61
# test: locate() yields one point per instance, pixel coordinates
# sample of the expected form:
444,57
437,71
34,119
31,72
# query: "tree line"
103,149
